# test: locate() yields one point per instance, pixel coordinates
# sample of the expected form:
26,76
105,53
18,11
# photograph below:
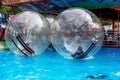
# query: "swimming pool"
51,66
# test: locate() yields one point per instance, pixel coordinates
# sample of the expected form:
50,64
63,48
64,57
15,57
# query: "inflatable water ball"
28,34
77,33
50,19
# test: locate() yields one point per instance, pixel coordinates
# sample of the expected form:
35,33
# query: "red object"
116,8
14,2
2,33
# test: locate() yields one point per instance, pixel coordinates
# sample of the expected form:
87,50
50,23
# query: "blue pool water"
51,66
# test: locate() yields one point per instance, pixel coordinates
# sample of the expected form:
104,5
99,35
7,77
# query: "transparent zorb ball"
28,33
77,33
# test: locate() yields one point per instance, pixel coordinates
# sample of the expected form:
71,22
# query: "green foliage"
3,43
6,9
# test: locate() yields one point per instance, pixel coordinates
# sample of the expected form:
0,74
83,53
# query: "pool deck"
111,46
